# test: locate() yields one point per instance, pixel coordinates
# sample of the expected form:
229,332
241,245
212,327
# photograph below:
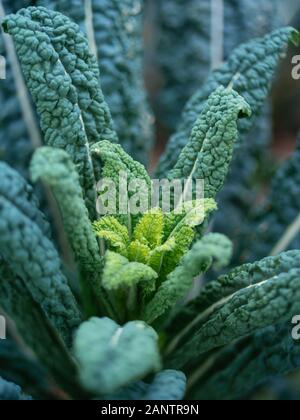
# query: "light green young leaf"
156,256
209,152
120,273
63,78
110,159
213,247
111,356
194,213
183,239
275,299
114,159
149,230
138,252
112,231
33,257
112,163
250,71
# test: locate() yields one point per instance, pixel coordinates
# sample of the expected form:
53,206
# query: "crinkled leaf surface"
112,163
238,369
120,273
56,169
63,78
213,247
113,232
33,257
272,300
115,34
208,154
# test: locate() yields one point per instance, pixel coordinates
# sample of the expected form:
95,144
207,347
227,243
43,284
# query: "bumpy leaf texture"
111,162
16,189
209,152
249,298
189,43
63,78
237,370
120,273
115,34
31,254
55,168
249,70
204,253
111,356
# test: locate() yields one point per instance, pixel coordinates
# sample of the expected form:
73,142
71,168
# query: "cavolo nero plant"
121,326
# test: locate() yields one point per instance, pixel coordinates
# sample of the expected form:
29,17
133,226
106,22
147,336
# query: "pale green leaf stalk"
222,289
166,385
244,277
113,232
111,356
213,247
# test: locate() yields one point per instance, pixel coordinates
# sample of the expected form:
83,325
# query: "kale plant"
119,321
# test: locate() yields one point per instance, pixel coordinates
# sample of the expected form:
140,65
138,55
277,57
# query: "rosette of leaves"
113,331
